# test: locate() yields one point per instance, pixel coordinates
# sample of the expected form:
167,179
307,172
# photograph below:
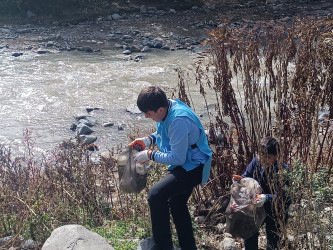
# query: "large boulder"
75,237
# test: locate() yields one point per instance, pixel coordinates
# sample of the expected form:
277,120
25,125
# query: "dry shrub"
67,186
272,79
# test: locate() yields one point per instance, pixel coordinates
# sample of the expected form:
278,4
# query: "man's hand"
234,207
236,178
260,200
141,156
142,142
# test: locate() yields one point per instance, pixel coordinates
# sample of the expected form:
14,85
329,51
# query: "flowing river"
43,93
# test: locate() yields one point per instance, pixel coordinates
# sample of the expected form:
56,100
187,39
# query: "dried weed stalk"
275,79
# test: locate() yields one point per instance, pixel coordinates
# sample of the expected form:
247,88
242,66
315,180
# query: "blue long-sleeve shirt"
183,133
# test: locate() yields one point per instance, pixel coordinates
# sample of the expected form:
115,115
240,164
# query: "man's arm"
152,137
179,142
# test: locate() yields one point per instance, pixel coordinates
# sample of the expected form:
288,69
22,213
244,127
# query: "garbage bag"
132,175
243,219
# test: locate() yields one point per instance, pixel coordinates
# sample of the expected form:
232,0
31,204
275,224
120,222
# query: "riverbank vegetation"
284,79
284,83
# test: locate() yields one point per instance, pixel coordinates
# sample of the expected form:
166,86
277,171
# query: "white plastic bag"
243,218
132,175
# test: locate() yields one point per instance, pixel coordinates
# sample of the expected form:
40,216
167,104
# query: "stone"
92,147
160,12
116,16
85,49
147,35
133,109
87,139
135,48
84,129
323,114
149,44
80,116
75,237
41,51
30,244
146,49
92,109
158,45
108,124
73,127
106,155
89,121
143,9
4,30
200,219
17,54
111,36
23,31
127,37
228,244
4,241
121,127
4,46
139,57
127,52
49,44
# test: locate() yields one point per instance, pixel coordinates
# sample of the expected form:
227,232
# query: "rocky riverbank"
146,28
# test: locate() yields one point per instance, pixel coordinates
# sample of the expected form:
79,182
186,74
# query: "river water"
43,93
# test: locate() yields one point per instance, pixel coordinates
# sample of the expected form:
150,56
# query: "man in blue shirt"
266,170
182,145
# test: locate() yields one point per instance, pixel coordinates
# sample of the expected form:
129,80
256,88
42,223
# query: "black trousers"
273,233
170,195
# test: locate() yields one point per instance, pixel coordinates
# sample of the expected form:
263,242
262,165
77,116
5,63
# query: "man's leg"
272,233
179,183
179,209
251,243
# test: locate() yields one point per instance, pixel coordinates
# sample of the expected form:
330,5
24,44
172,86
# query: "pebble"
108,124
127,52
17,54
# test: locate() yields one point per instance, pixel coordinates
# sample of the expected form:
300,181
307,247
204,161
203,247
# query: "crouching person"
266,170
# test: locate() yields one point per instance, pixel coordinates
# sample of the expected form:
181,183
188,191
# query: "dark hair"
151,99
269,145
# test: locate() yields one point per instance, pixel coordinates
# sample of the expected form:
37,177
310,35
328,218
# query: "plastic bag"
132,175
243,218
